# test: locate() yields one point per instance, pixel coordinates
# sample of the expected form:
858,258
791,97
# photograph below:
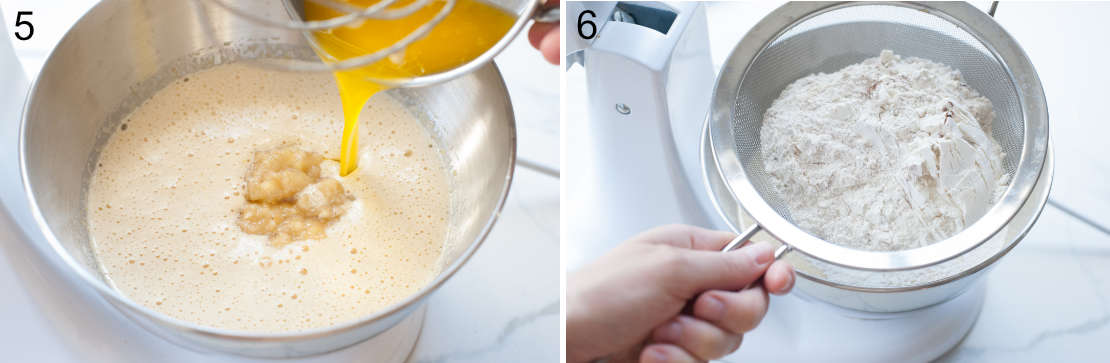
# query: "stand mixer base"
799,330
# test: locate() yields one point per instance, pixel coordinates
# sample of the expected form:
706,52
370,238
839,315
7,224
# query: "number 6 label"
583,23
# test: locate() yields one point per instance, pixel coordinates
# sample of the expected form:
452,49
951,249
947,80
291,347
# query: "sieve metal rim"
968,18
709,175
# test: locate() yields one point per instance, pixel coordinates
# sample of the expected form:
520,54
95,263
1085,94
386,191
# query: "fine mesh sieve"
800,39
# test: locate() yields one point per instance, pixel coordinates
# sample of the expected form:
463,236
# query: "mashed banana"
287,198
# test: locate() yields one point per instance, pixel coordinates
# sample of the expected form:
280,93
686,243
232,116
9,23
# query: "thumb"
698,271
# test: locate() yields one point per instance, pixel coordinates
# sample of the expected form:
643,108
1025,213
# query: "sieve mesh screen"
841,37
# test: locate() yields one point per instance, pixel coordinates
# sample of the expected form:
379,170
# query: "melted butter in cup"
469,30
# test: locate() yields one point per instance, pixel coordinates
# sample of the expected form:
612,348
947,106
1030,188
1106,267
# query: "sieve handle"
743,238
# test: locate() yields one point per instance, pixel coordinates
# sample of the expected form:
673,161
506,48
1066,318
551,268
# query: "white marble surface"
502,306
1049,299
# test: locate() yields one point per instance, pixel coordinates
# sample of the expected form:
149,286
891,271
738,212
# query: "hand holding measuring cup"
670,295
544,36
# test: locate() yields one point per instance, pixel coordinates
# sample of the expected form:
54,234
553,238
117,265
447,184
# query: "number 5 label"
21,21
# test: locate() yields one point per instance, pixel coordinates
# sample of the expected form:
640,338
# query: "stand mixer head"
648,75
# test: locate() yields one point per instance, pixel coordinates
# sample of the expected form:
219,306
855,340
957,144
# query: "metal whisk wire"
353,14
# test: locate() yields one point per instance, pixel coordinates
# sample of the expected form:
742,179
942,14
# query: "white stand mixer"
633,164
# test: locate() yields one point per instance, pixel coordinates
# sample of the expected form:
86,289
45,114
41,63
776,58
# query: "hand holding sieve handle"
743,239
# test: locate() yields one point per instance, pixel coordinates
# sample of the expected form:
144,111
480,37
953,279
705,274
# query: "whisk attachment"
352,15
525,11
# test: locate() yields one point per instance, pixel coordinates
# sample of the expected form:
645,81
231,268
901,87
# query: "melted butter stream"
470,29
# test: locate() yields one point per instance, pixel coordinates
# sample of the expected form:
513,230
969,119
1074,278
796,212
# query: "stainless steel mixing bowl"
121,52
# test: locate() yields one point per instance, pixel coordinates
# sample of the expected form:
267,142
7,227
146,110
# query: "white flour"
889,154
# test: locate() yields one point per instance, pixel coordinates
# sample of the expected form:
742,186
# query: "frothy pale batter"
168,189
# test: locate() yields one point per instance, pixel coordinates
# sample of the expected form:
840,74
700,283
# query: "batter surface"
168,189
